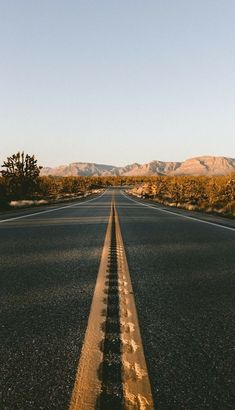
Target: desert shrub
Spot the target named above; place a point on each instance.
(215, 193)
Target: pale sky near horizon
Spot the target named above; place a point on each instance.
(117, 81)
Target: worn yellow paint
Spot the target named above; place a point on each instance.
(135, 379)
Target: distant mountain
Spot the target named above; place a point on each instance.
(205, 165)
(151, 168)
(78, 169)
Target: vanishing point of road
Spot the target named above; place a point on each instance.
(175, 269)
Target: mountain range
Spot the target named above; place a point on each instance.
(204, 165)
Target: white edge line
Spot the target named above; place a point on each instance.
(50, 210)
(180, 215)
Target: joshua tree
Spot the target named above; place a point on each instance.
(21, 174)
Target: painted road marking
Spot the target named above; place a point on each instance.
(112, 372)
(50, 210)
(180, 215)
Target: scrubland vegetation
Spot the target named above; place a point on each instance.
(21, 185)
(45, 190)
(48, 189)
(209, 194)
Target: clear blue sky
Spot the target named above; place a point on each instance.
(117, 81)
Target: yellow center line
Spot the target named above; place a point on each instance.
(112, 367)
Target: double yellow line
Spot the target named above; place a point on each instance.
(92, 383)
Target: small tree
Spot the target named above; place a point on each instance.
(21, 174)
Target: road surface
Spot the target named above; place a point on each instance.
(182, 273)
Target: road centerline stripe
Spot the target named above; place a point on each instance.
(112, 372)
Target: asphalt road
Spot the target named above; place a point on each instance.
(182, 273)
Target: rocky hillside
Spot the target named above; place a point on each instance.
(78, 169)
(205, 165)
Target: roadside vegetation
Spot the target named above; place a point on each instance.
(22, 185)
(215, 194)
